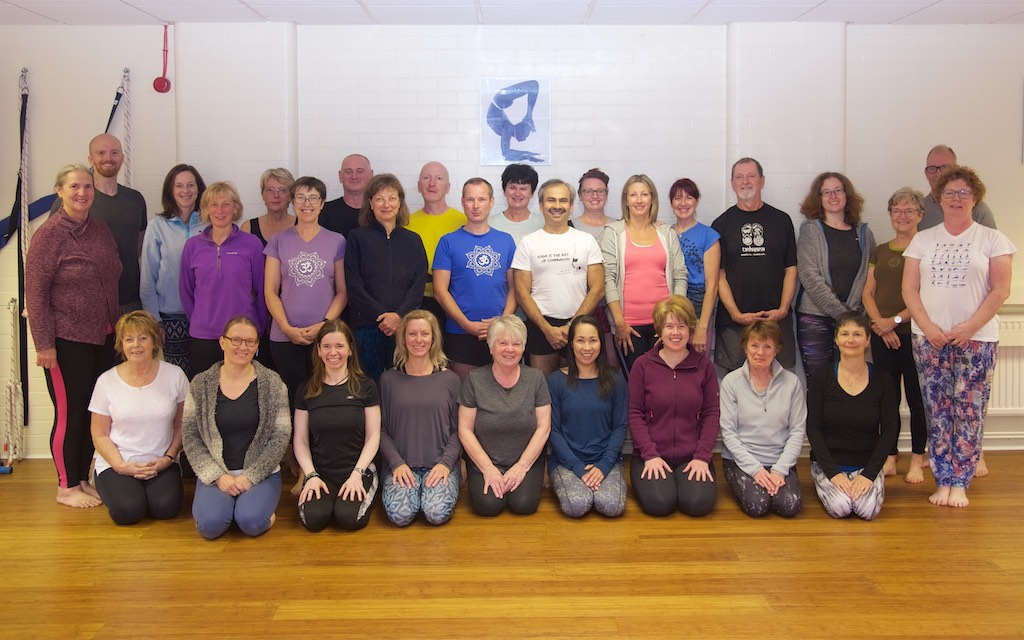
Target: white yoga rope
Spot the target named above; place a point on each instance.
(127, 100)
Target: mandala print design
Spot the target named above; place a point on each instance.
(484, 261)
(306, 268)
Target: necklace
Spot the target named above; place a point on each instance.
(852, 382)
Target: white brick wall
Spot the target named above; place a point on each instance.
(666, 101)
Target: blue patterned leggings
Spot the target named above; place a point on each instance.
(956, 382)
(437, 503)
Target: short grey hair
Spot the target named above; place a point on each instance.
(505, 325)
(908, 195)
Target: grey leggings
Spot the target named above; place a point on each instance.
(577, 499)
(755, 499)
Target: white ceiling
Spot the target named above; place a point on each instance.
(504, 12)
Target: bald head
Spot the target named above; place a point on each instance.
(106, 155)
(433, 185)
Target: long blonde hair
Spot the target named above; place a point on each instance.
(436, 353)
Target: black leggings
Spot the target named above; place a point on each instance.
(660, 497)
(70, 382)
(129, 499)
(350, 515)
(523, 501)
(899, 363)
(641, 345)
(293, 365)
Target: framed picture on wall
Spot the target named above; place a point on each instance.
(515, 121)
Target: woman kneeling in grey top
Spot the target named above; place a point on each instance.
(419, 439)
(764, 421)
(504, 421)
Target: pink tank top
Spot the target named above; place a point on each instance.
(644, 283)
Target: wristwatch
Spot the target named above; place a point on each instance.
(897, 319)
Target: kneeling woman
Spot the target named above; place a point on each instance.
(337, 434)
(764, 421)
(852, 423)
(420, 413)
(504, 422)
(588, 426)
(235, 432)
(136, 425)
(673, 418)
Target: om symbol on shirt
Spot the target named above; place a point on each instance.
(484, 261)
(306, 268)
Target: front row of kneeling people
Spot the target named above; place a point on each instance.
(233, 424)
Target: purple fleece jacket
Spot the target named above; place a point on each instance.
(218, 283)
(673, 412)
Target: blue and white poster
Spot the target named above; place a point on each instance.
(515, 121)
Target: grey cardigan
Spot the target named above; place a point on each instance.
(613, 247)
(201, 438)
(817, 296)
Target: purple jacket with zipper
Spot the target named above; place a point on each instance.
(673, 411)
(218, 283)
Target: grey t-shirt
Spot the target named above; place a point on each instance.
(505, 418)
(419, 419)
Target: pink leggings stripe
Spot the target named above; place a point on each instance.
(60, 425)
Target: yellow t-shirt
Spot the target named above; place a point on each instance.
(431, 228)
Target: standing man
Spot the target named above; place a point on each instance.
(123, 210)
(473, 279)
(342, 215)
(940, 158)
(758, 276)
(434, 220)
(559, 274)
(518, 181)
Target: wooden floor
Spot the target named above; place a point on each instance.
(917, 571)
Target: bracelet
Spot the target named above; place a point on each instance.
(325, 320)
(361, 471)
(309, 476)
(169, 457)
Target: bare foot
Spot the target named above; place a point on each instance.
(982, 469)
(958, 497)
(889, 468)
(915, 474)
(75, 497)
(940, 497)
(273, 519)
(86, 487)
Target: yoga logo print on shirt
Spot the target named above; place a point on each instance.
(950, 265)
(752, 235)
(484, 261)
(306, 268)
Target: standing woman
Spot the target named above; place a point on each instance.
(71, 277)
(702, 253)
(764, 421)
(161, 260)
(385, 271)
(852, 421)
(588, 426)
(643, 265)
(673, 418)
(235, 431)
(504, 423)
(221, 275)
(832, 261)
(276, 190)
(420, 414)
(593, 194)
(955, 328)
(305, 284)
(337, 435)
(136, 426)
(890, 323)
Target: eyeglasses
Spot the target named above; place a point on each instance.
(908, 213)
(594, 192)
(237, 342)
(934, 168)
(838, 191)
(314, 199)
(961, 194)
(277, 191)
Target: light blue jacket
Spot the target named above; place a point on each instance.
(161, 263)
